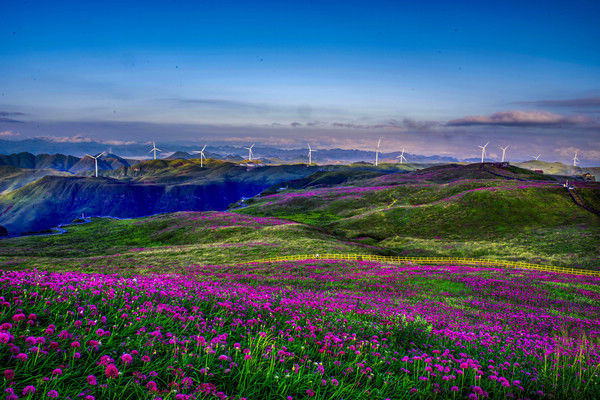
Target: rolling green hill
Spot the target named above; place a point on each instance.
(147, 188)
(556, 168)
(171, 240)
(452, 211)
(13, 178)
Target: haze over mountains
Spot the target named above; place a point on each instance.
(78, 147)
(140, 151)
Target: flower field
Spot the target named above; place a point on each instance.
(297, 330)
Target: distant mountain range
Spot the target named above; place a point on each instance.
(61, 162)
(133, 152)
(222, 151)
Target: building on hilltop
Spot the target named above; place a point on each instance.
(588, 177)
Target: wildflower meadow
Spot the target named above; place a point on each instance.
(316, 329)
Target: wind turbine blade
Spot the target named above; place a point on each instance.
(203, 148)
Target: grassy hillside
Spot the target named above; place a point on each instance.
(145, 189)
(557, 168)
(170, 240)
(453, 210)
(169, 171)
(13, 178)
(415, 214)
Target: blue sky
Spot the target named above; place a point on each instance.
(339, 73)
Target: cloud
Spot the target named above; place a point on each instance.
(68, 139)
(351, 125)
(419, 125)
(8, 133)
(7, 117)
(302, 112)
(86, 139)
(405, 124)
(585, 102)
(521, 118)
(223, 104)
(10, 114)
(117, 142)
(295, 124)
(456, 141)
(569, 152)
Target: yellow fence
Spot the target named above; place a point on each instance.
(431, 260)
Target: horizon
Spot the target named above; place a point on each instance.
(80, 147)
(436, 79)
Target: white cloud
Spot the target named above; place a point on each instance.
(117, 142)
(69, 139)
(569, 152)
(521, 118)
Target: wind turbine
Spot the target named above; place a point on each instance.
(377, 152)
(483, 151)
(249, 152)
(202, 157)
(401, 157)
(503, 151)
(575, 159)
(309, 155)
(154, 149)
(95, 161)
(536, 157)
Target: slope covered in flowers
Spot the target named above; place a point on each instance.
(295, 330)
(443, 211)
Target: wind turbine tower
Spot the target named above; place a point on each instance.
(309, 155)
(377, 152)
(154, 149)
(95, 161)
(483, 151)
(202, 157)
(250, 152)
(401, 157)
(503, 151)
(575, 159)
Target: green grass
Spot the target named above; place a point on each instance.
(168, 241)
(569, 246)
(535, 224)
(410, 214)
